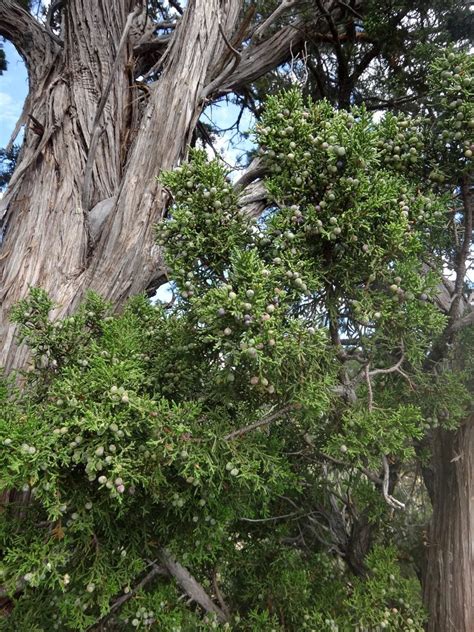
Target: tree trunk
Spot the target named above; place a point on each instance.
(80, 155)
(449, 581)
(81, 206)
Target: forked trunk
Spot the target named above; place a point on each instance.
(81, 207)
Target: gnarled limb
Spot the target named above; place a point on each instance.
(35, 44)
(260, 58)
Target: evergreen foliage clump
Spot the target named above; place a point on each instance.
(250, 427)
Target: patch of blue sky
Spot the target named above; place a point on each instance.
(13, 91)
(236, 140)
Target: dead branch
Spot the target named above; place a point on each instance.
(226, 72)
(267, 419)
(220, 597)
(370, 394)
(118, 603)
(262, 57)
(190, 585)
(271, 19)
(393, 502)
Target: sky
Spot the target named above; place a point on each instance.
(14, 88)
(13, 91)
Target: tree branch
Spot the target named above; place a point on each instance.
(393, 502)
(190, 585)
(461, 263)
(267, 419)
(56, 5)
(254, 171)
(118, 603)
(466, 321)
(219, 595)
(227, 71)
(262, 28)
(262, 57)
(35, 44)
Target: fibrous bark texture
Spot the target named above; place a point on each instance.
(81, 207)
(449, 583)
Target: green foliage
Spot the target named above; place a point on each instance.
(452, 84)
(245, 426)
(3, 61)
(7, 160)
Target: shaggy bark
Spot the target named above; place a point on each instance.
(449, 477)
(81, 206)
(449, 582)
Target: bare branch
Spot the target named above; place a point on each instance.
(370, 404)
(392, 369)
(265, 56)
(254, 171)
(393, 502)
(118, 603)
(370, 475)
(351, 9)
(267, 419)
(219, 595)
(176, 6)
(153, 44)
(190, 585)
(227, 71)
(56, 5)
(466, 321)
(272, 518)
(262, 28)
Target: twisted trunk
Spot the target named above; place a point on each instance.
(81, 206)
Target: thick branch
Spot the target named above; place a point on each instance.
(254, 171)
(34, 43)
(261, 57)
(265, 56)
(466, 321)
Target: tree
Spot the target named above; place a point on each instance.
(98, 138)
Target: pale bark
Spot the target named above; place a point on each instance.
(81, 207)
(190, 585)
(67, 242)
(449, 582)
(46, 239)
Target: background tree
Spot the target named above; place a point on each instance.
(107, 119)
